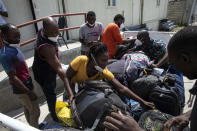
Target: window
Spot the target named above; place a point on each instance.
(111, 3)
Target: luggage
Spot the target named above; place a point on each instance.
(124, 71)
(161, 90)
(166, 96)
(93, 102)
(143, 86)
(138, 58)
(153, 120)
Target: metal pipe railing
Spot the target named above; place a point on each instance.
(14, 125)
(41, 19)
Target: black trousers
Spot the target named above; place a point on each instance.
(48, 85)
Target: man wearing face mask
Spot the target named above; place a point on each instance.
(46, 63)
(90, 32)
(112, 37)
(13, 62)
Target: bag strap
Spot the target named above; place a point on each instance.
(75, 114)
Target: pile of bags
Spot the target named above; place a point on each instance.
(97, 98)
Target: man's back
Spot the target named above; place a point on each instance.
(111, 37)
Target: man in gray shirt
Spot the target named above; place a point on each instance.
(90, 32)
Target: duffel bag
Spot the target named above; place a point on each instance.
(153, 120)
(92, 103)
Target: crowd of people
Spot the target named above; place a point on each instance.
(98, 46)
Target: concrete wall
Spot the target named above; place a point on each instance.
(154, 10)
(103, 12)
(176, 11)
(19, 12)
(131, 9)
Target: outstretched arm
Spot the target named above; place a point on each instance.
(124, 90)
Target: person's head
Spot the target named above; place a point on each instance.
(119, 19)
(144, 37)
(10, 33)
(100, 53)
(182, 51)
(91, 18)
(50, 28)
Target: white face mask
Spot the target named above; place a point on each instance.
(122, 26)
(54, 39)
(98, 68)
(91, 24)
(138, 42)
(14, 45)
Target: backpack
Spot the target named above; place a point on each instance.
(93, 102)
(160, 89)
(124, 71)
(153, 120)
(143, 86)
(166, 96)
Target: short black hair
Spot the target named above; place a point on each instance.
(143, 34)
(119, 16)
(91, 13)
(184, 39)
(5, 28)
(97, 49)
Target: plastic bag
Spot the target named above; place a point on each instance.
(64, 113)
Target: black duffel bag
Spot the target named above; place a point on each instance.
(166, 98)
(93, 102)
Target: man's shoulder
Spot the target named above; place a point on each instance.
(82, 58)
(99, 23)
(112, 25)
(83, 25)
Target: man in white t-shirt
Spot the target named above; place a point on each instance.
(3, 13)
(90, 32)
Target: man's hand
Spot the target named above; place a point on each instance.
(32, 96)
(120, 122)
(149, 104)
(181, 121)
(71, 99)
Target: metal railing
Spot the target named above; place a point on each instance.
(14, 125)
(41, 19)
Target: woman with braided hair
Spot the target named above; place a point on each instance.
(93, 67)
